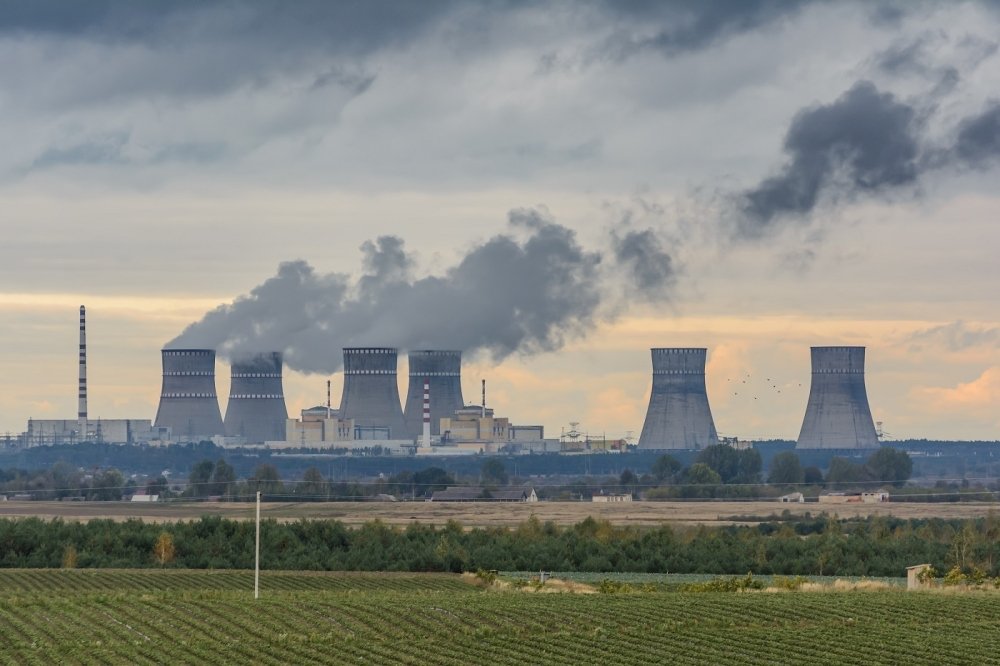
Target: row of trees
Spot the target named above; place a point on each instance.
(813, 546)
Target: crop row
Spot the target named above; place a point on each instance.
(499, 628)
(71, 581)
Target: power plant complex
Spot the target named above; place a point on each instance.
(434, 418)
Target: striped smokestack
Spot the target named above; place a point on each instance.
(427, 411)
(81, 411)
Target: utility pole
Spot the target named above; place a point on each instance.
(256, 563)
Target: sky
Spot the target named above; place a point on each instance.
(553, 187)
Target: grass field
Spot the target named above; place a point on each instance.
(154, 617)
(482, 514)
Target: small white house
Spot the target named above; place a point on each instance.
(145, 498)
(627, 497)
(793, 497)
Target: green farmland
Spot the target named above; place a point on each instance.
(205, 617)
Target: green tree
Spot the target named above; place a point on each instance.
(701, 474)
(266, 480)
(785, 469)
(433, 478)
(223, 478)
(731, 465)
(812, 475)
(200, 478)
(313, 485)
(723, 459)
(843, 472)
(107, 485)
(157, 486)
(665, 468)
(890, 465)
(493, 472)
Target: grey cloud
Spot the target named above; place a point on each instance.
(99, 150)
(681, 27)
(957, 336)
(525, 291)
(978, 141)
(904, 58)
(865, 141)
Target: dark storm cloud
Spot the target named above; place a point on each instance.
(978, 140)
(864, 142)
(527, 291)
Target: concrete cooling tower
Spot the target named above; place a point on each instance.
(678, 416)
(188, 404)
(838, 415)
(371, 395)
(256, 408)
(443, 371)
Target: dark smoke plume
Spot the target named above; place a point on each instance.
(527, 291)
(865, 141)
(648, 266)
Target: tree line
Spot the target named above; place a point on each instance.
(879, 546)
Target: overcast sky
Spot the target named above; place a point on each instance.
(555, 187)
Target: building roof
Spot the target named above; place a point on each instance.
(469, 494)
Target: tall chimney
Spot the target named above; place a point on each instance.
(427, 411)
(81, 412)
(678, 416)
(837, 414)
(484, 398)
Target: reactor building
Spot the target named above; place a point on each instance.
(442, 371)
(188, 402)
(678, 416)
(371, 395)
(837, 414)
(256, 409)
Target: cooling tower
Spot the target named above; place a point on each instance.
(256, 409)
(443, 371)
(838, 415)
(371, 395)
(678, 416)
(188, 404)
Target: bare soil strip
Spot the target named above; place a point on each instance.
(485, 514)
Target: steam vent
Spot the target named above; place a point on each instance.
(371, 395)
(678, 416)
(188, 403)
(838, 415)
(256, 408)
(443, 371)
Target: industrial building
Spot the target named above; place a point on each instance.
(256, 410)
(371, 396)
(678, 416)
(189, 405)
(442, 370)
(52, 432)
(837, 414)
(319, 427)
